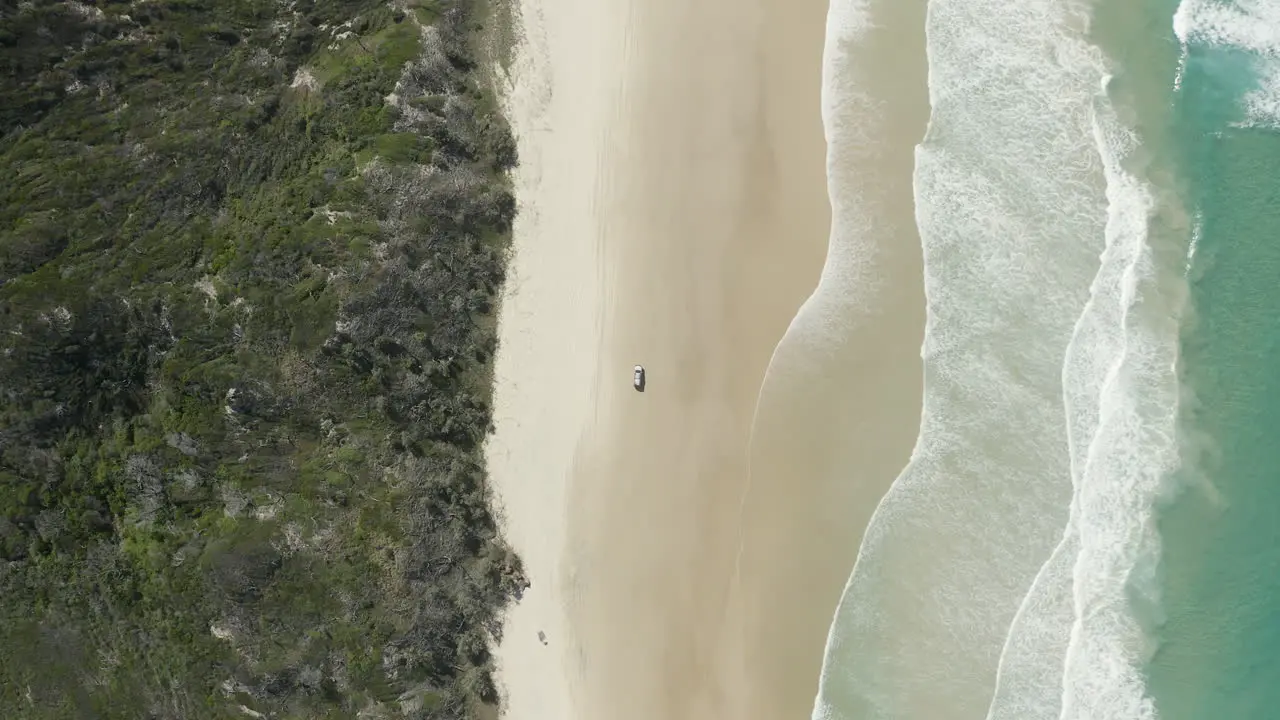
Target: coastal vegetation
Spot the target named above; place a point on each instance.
(249, 258)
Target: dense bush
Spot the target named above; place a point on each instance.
(249, 254)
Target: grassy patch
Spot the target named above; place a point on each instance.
(376, 42)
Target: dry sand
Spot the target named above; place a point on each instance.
(673, 213)
(548, 328)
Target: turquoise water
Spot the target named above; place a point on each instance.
(1219, 655)
(1089, 527)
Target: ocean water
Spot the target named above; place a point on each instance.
(1219, 644)
(1089, 526)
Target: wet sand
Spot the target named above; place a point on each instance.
(714, 225)
(840, 409)
(675, 214)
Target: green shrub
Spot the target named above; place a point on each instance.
(243, 337)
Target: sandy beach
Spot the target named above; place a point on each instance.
(839, 411)
(674, 213)
(548, 331)
(713, 233)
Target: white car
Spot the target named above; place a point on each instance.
(637, 378)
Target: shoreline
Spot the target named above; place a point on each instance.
(673, 190)
(839, 412)
(713, 210)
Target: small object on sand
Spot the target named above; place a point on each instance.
(543, 637)
(637, 378)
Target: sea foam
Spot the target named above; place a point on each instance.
(1134, 452)
(1011, 212)
(1250, 26)
(1122, 395)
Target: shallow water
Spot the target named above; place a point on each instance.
(1088, 527)
(839, 408)
(1011, 211)
(1221, 592)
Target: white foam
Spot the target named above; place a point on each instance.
(1130, 458)
(1252, 26)
(1262, 105)
(1010, 209)
(1122, 392)
(1028, 684)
